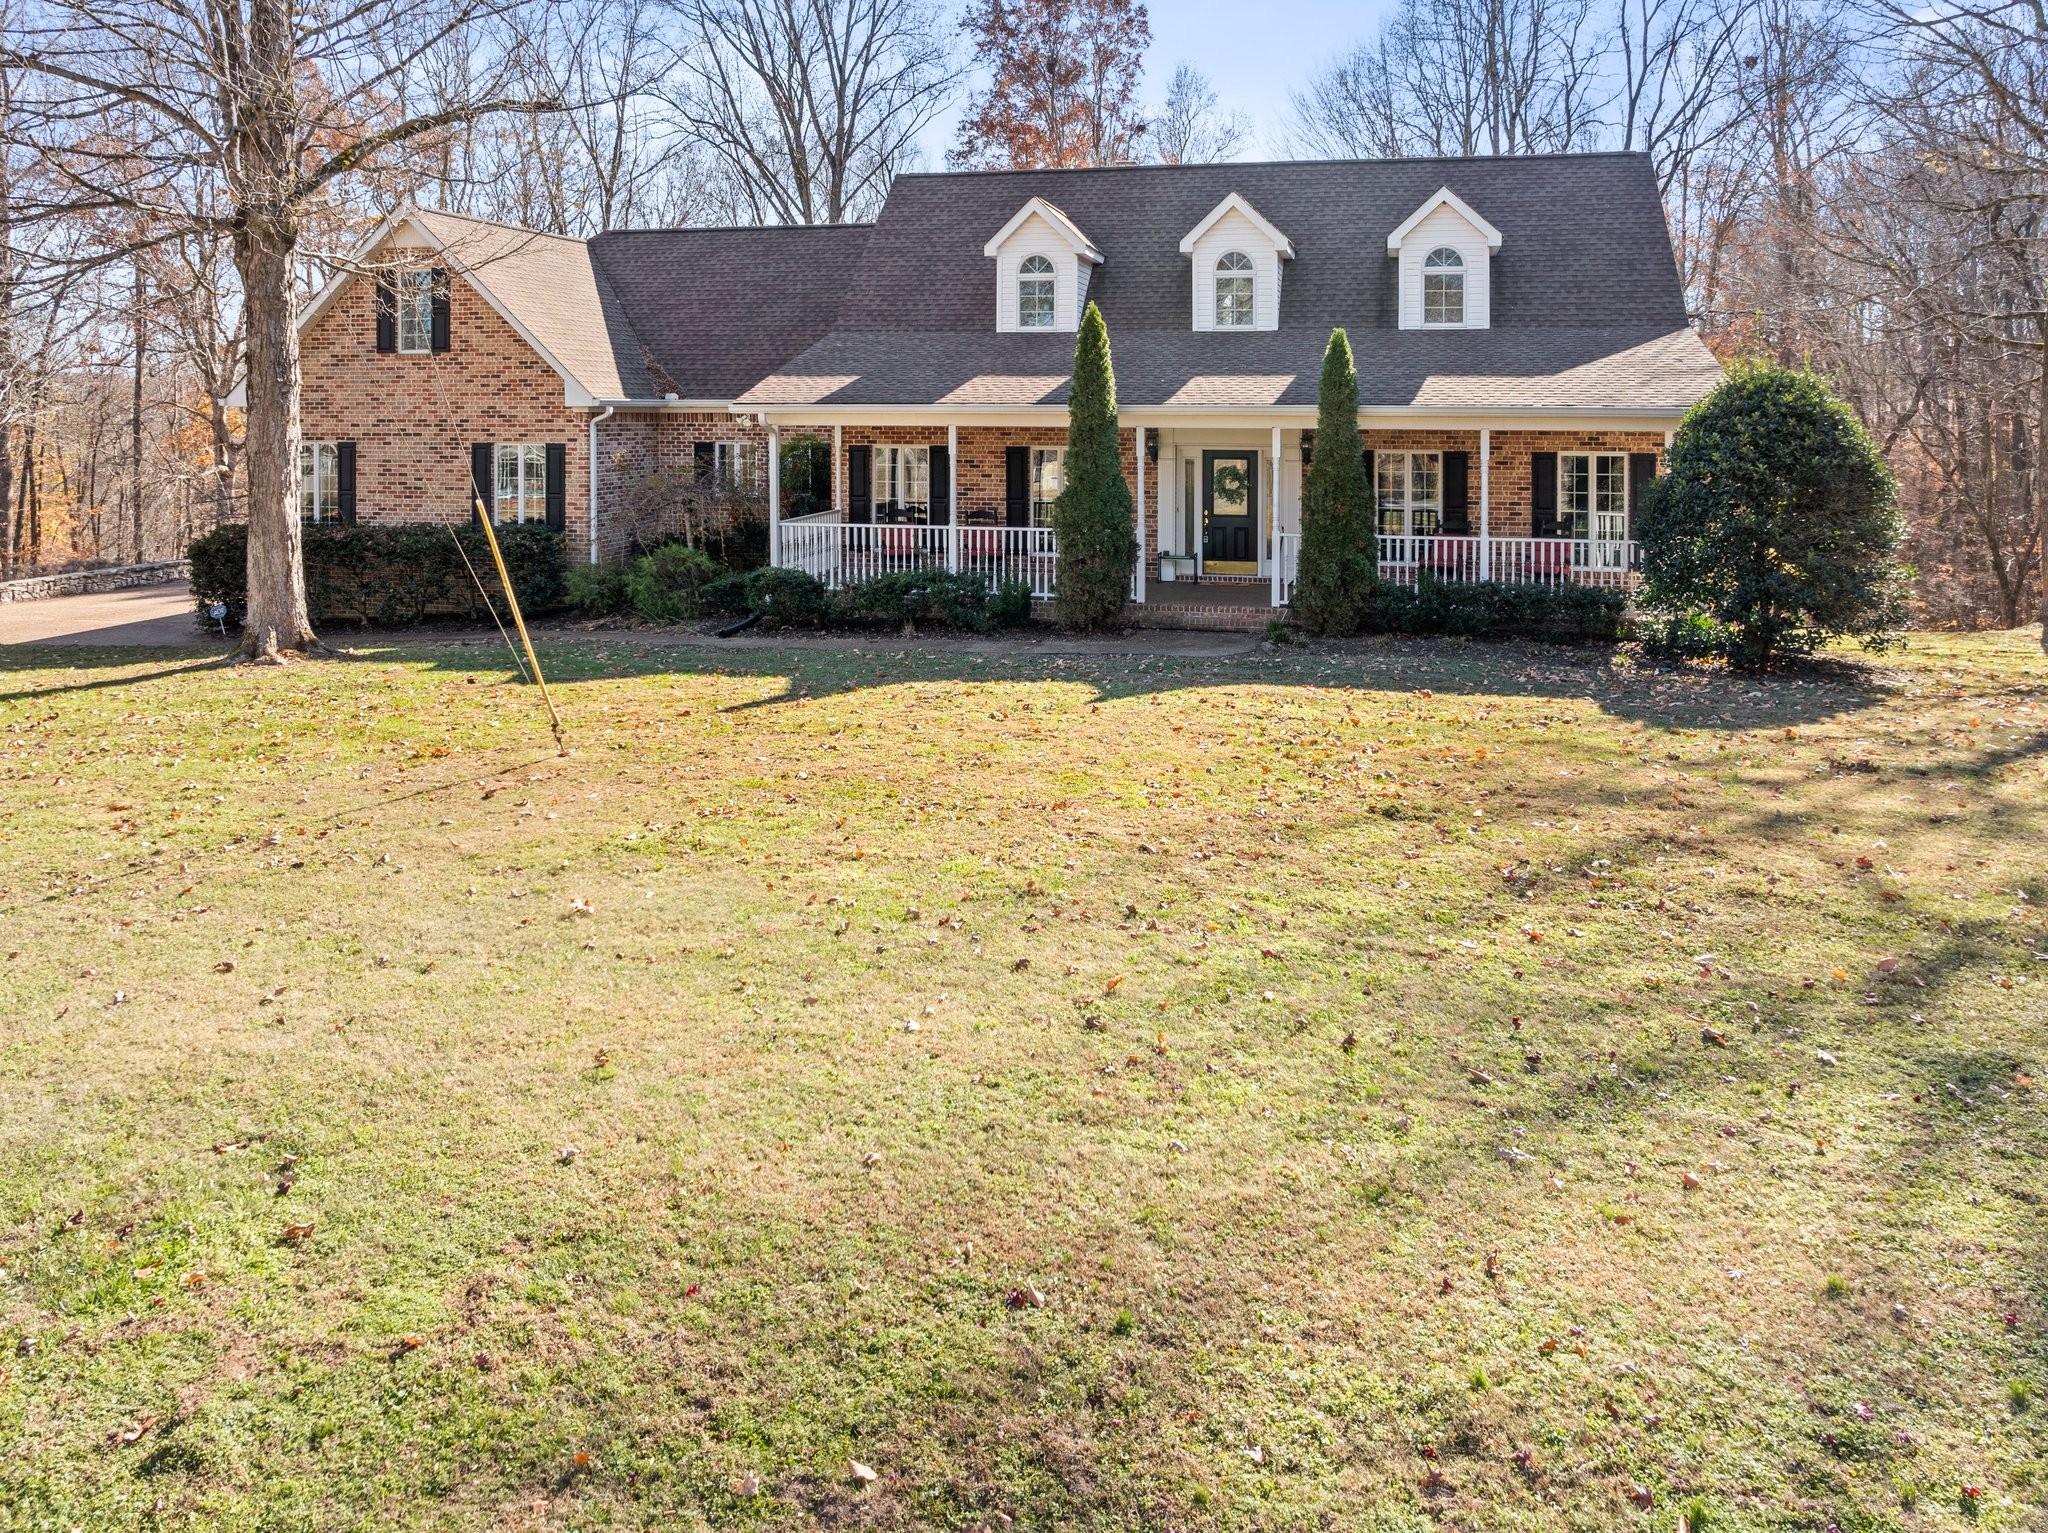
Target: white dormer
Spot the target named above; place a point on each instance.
(1446, 271)
(1043, 262)
(1236, 256)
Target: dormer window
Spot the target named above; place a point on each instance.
(1443, 287)
(1234, 288)
(1035, 301)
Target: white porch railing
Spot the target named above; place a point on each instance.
(841, 554)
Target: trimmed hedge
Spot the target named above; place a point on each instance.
(1493, 610)
(787, 598)
(941, 598)
(667, 585)
(389, 576)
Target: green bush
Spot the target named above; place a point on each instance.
(789, 598)
(1010, 607)
(1093, 517)
(599, 590)
(931, 596)
(1339, 560)
(1778, 521)
(1492, 609)
(665, 585)
(726, 596)
(390, 576)
(1688, 636)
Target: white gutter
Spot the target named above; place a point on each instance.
(595, 421)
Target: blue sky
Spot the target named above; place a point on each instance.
(1254, 54)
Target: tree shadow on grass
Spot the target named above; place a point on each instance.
(14, 662)
(812, 672)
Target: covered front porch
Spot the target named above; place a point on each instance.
(1219, 504)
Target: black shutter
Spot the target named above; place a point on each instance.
(1642, 469)
(860, 494)
(1371, 476)
(706, 461)
(1017, 486)
(557, 486)
(1543, 494)
(345, 483)
(1457, 518)
(387, 316)
(483, 460)
(942, 487)
(441, 304)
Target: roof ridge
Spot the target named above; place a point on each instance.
(1396, 159)
(415, 210)
(733, 229)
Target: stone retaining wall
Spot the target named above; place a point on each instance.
(118, 577)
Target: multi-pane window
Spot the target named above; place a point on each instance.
(414, 290)
(1035, 293)
(1443, 287)
(522, 483)
(902, 478)
(1047, 466)
(1592, 496)
(1234, 291)
(738, 466)
(319, 482)
(1409, 488)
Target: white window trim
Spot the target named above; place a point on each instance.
(1049, 279)
(530, 482)
(311, 502)
(1592, 531)
(1439, 273)
(1248, 274)
(1410, 501)
(738, 466)
(413, 288)
(1041, 508)
(892, 472)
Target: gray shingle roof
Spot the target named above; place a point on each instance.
(716, 310)
(1586, 306)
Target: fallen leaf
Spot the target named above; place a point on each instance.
(297, 1232)
(861, 1472)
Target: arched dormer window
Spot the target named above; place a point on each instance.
(1035, 294)
(1443, 287)
(1234, 291)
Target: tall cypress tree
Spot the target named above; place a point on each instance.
(1339, 543)
(1093, 518)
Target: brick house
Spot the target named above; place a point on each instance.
(897, 391)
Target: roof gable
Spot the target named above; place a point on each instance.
(1063, 226)
(1445, 198)
(1236, 204)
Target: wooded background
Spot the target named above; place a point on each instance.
(1854, 187)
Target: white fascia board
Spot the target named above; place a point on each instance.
(1445, 198)
(1067, 229)
(1384, 417)
(1236, 204)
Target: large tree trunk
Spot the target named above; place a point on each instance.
(2041, 482)
(278, 622)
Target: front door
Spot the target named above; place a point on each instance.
(1230, 513)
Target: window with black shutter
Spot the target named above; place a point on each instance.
(860, 492)
(483, 475)
(942, 487)
(345, 483)
(1017, 486)
(705, 462)
(387, 315)
(1457, 512)
(441, 310)
(556, 494)
(1543, 494)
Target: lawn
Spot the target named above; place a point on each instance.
(1422, 1085)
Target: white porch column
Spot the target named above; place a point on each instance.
(1273, 519)
(775, 495)
(839, 472)
(1139, 519)
(1485, 503)
(953, 498)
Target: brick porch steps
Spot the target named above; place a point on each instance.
(1209, 616)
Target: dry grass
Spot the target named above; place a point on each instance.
(1323, 1038)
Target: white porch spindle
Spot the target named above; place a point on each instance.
(1485, 503)
(953, 498)
(1273, 519)
(775, 495)
(839, 472)
(1138, 521)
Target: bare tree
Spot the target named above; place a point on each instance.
(244, 113)
(1062, 84)
(1191, 128)
(808, 108)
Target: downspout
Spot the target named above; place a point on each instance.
(595, 421)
